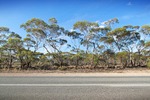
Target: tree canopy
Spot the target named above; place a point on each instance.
(89, 45)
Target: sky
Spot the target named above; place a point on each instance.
(13, 13)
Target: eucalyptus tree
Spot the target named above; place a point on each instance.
(37, 32)
(89, 32)
(145, 29)
(56, 40)
(122, 59)
(86, 28)
(4, 32)
(143, 52)
(126, 38)
(13, 48)
(28, 43)
(47, 35)
(108, 41)
(147, 46)
(146, 32)
(27, 53)
(103, 43)
(75, 39)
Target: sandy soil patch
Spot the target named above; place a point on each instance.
(125, 72)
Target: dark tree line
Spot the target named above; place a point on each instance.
(88, 45)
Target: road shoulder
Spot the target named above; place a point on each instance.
(126, 72)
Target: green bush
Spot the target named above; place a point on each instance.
(62, 68)
(148, 63)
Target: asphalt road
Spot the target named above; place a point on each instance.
(75, 88)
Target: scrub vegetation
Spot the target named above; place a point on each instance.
(89, 45)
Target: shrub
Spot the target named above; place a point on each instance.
(148, 63)
(62, 68)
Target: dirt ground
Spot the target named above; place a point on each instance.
(123, 72)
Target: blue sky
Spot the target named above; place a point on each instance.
(15, 12)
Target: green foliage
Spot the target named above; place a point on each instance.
(88, 44)
(117, 31)
(146, 29)
(53, 21)
(147, 44)
(108, 40)
(122, 54)
(148, 63)
(62, 68)
(4, 29)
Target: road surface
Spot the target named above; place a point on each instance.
(74, 87)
